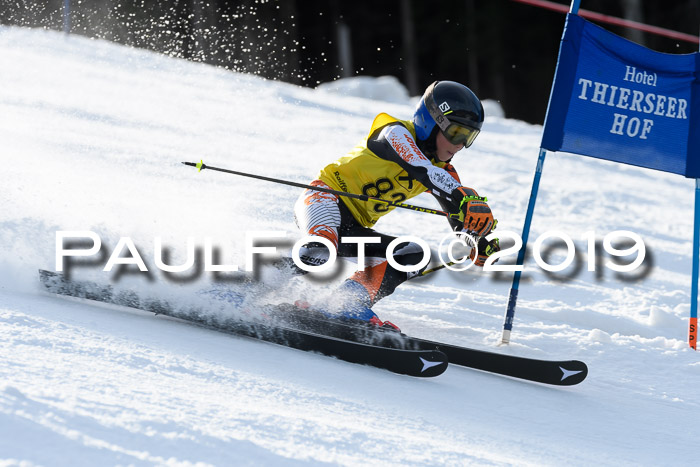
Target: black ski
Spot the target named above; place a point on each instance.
(412, 362)
(555, 372)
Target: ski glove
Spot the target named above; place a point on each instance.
(486, 248)
(474, 213)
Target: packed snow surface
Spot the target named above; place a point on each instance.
(92, 139)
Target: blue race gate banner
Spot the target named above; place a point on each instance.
(616, 100)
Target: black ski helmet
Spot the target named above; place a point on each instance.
(454, 108)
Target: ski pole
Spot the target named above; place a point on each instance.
(201, 166)
(470, 240)
(437, 268)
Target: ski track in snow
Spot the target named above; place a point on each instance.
(93, 136)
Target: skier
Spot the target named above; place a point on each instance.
(398, 160)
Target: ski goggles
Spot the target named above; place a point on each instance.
(458, 134)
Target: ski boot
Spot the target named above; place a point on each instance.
(354, 307)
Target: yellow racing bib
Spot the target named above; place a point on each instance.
(361, 171)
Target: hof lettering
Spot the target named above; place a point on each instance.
(633, 100)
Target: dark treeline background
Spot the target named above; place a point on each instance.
(502, 49)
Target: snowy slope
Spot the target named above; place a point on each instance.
(92, 139)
